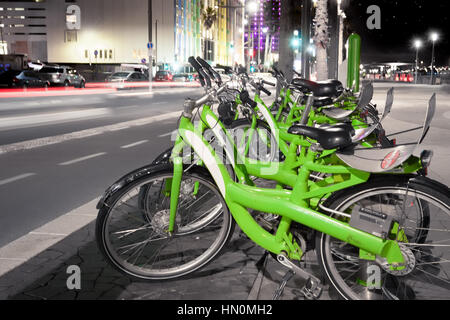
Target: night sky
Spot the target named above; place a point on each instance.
(402, 21)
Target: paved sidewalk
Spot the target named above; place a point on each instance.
(233, 276)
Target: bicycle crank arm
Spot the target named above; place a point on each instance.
(313, 288)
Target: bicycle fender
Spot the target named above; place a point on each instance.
(142, 172)
(163, 157)
(425, 181)
(130, 177)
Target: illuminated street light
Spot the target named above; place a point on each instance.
(417, 45)
(433, 37)
(252, 7)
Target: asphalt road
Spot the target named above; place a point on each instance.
(37, 185)
(23, 119)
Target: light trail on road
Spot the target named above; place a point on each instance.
(91, 88)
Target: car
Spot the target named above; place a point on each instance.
(62, 76)
(183, 77)
(163, 76)
(127, 76)
(30, 79)
(7, 77)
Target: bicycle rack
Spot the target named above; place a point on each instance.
(365, 132)
(378, 160)
(364, 99)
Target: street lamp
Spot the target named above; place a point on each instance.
(433, 37)
(417, 45)
(252, 8)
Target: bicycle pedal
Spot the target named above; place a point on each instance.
(313, 288)
(282, 285)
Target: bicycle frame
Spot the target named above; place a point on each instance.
(291, 205)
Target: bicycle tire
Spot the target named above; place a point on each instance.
(223, 225)
(425, 280)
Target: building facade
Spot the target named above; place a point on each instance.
(100, 31)
(262, 30)
(23, 28)
(221, 43)
(105, 32)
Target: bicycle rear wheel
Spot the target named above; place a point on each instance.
(261, 145)
(132, 232)
(423, 212)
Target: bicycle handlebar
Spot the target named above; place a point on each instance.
(202, 74)
(213, 73)
(269, 83)
(267, 92)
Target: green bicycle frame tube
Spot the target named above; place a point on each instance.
(239, 197)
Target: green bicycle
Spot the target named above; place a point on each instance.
(372, 211)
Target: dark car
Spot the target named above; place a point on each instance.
(7, 77)
(127, 76)
(63, 76)
(30, 79)
(163, 76)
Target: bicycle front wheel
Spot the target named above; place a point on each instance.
(132, 228)
(423, 213)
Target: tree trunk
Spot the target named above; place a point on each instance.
(286, 56)
(321, 39)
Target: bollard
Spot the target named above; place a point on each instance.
(354, 61)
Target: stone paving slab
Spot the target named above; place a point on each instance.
(230, 277)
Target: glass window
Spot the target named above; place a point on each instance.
(121, 74)
(48, 70)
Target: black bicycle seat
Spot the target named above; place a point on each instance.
(333, 137)
(329, 88)
(322, 102)
(342, 125)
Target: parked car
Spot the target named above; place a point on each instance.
(62, 75)
(183, 77)
(7, 77)
(30, 79)
(127, 76)
(163, 76)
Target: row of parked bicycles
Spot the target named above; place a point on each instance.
(314, 170)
